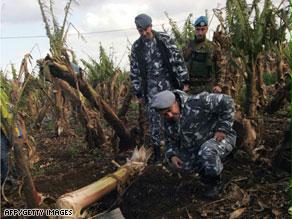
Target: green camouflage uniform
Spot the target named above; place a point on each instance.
(201, 64)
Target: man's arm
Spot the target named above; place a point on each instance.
(221, 105)
(171, 143)
(135, 75)
(177, 62)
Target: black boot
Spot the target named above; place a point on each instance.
(213, 187)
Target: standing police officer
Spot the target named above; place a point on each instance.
(156, 65)
(201, 61)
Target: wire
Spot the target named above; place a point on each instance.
(85, 33)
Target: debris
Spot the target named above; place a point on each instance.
(237, 213)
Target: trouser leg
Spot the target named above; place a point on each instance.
(154, 129)
(211, 154)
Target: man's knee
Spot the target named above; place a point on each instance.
(210, 159)
(215, 148)
(208, 150)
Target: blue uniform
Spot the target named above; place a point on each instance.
(156, 65)
(191, 138)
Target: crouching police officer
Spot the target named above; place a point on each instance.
(198, 133)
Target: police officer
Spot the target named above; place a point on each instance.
(201, 61)
(198, 132)
(156, 65)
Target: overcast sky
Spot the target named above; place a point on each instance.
(22, 19)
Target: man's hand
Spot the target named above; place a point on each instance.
(219, 136)
(217, 89)
(176, 162)
(186, 87)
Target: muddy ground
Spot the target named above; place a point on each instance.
(251, 189)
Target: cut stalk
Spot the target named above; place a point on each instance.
(80, 199)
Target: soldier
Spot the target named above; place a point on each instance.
(156, 65)
(198, 132)
(201, 60)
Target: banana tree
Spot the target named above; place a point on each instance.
(182, 37)
(13, 102)
(64, 72)
(108, 80)
(59, 66)
(57, 35)
(90, 119)
(252, 32)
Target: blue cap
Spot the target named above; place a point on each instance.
(201, 22)
(163, 100)
(143, 21)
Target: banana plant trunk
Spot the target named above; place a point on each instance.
(279, 68)
(126, 103)
(32, 197)
(238, 79)
(94, 133)
(18, 140)
(61, 71)
(62, 110)
(41, 115)
(252, 95)
(33, 111)
(80, 199)
(260, 82)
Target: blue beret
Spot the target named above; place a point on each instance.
(163, 100)
(201, 21)
(143, 21)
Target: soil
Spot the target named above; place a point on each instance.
(254, 189)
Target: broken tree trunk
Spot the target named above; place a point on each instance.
(61, 71)
(62, 111)
(248, 135)
(42, 113)
(82, 198)
(32, 197)
(19, 138)
(95, 135)
(33, 111)
(126, 103)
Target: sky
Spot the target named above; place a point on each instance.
(109, 22)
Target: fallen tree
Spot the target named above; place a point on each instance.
(94, 133)
(63, 71)
(80, 199)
